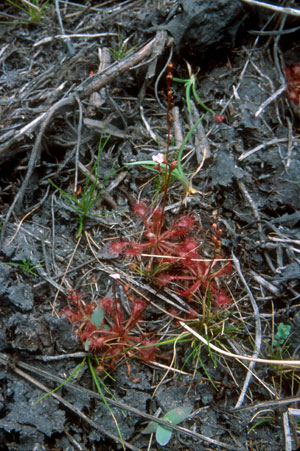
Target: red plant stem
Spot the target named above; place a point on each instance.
(133, 320)
(169, 79)
(115, 306)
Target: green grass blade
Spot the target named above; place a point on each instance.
(96, 380)
(74, 374)
(186, 138)
(188, 86)
(199, 101)
(17, 6)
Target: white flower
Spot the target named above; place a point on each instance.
(159, 158)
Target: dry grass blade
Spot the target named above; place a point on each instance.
(287, 363)
(268, 404)
(258, 338)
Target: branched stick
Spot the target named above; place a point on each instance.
(35, 154)
(97, 81)
(84, 90)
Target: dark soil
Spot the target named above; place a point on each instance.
(52, 90)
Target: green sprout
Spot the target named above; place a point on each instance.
(98, 382)
(264, 420)
(163, 434)
(121, 51)
(190, 86)
(214, 328)
(26, 266)
(90, 192)
(283, 331)
(34, 8)
(68, 379)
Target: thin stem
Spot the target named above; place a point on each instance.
(168, 171)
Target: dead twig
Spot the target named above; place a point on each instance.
(262, 146)
(269, 286)
(201, 142)
(287, 432)
(258, 338)
(35, 155)
(256, 214)
(177, 126)
(97, 81)
(290, 144)
(279, 9)
(267, 404)
(270, 100)
(278, 67)
(72, 36)
(78, 141)
(147, 125)
(61, 25)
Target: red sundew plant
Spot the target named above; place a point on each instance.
(171, 254)
(161, 245)
(199, 274)
(103, 331)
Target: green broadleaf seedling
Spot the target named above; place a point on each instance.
(283, 331)
(163, 434)
(97, 319)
